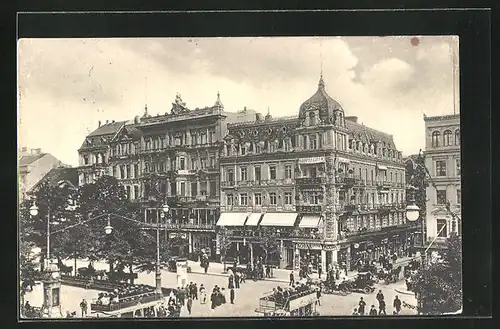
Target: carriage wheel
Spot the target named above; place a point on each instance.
(367, 290)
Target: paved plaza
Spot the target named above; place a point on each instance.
(246, 298)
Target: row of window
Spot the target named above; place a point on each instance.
(285, 144)
(132, 192)
(442, 228)
(245, 199)
(202, 188)
(373, 198)
(441, 168)
(442, 198)
(384, 175)
(257, 173)
(123, 149)
(97, 158)
(193, 138)
(181, 163)
(374, 222)
(125, 171)
(447, 139)
(359, 146)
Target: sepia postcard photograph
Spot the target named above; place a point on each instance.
(239, 177)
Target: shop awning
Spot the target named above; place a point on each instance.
(253, 219)
(380, 167)
(279, 219)
(232, 219)
(309, 221)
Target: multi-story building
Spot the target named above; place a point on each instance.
(442, 159)
(330, 188)
(33, 166)
(172, 158)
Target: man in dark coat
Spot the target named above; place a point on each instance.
(320, 270)
(195, 291)
(381, 307)
(268, 271)
(230, 284)
(213, 299)
(231, 295)
(361, 308)
(397, 305)
(292, 279)
(237, 277)
(380, 295)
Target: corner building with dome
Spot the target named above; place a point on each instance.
(329, 189)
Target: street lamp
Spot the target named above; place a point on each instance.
(412, 212)
(108, 228)
(34, 210)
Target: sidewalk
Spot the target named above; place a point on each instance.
(279, 275)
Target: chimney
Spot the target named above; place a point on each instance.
(99, 124)
(113, 121)
(352, 119)
(24, 149)
(36, 151)
(258, 117)
(244, 109)
(107, 121)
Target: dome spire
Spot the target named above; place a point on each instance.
(218, 101)
(321, 83)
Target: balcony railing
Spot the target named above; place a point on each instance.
(227, 183)
(176, 226)
(310, 180)
(384, 185)
(309, 209)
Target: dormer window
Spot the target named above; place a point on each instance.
(243, 150)
(312, 118)
(86, 159)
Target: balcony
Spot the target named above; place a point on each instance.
(346, 181)
(189, 226)
(310, 209)
(227, 184)
(350, 208)
(310, 181)
(384, 185)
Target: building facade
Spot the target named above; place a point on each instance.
(33, 166)
(329, 189)
(442, 159)
(171, 158)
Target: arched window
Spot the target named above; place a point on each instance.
(457, 137)
(447, 138)
(435, 138)
(312, 118)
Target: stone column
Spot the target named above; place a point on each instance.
(190, 237)
(335, 259)
(323, 260)
(198, 189)
(251, 252)
(238, 250)
(283, 260)
(208, 187)
(169, 188)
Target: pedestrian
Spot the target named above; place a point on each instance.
(361, 308)
(381, 307)
(292, 279)
(380, 296)
(237, 280)
(182, 296)
(397, 305)
(213, 299)
(231, 295)
(268, 271)
(373, 310)
(195, 291)
(83, 306)
(320, 270)
(189, 304)
(318, 295)
(203, 294)
(230, 284)
(187, 292)
(337, 274)
(355, 312)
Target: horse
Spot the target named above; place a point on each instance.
(65, 270)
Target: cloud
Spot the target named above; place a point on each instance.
(67, 85)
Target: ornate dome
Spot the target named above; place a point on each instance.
(320, 101)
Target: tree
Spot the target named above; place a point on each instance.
(439, 285)
(268, 241)
(224, 243)
(52, 202)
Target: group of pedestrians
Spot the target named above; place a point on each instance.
(360, 310)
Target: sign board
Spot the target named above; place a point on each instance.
(312, 160)
(308, 246)
(303, 301)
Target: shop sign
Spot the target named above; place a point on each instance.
(330, 248)
(312, 160)
(308, 246)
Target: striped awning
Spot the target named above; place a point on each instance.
(253, 219)
(309, 221)
(279, 219)
(232, 219)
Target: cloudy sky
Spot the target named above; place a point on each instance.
(67, 85)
